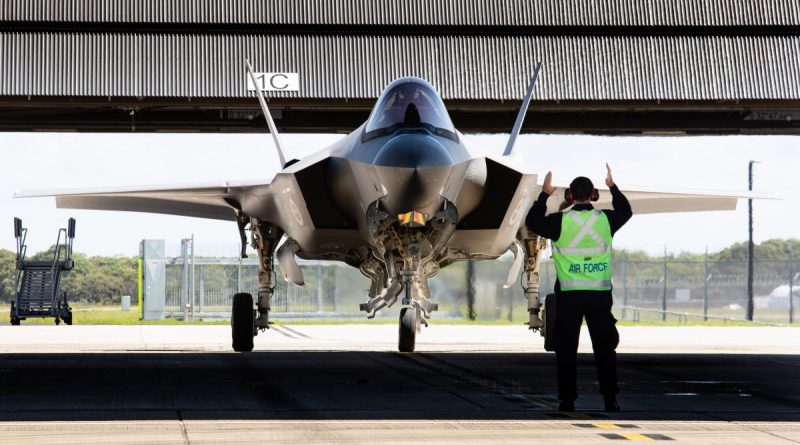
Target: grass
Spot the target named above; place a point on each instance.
(464, 322)
(85, 314)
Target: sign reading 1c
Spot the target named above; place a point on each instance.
(275, 82)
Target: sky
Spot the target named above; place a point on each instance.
(61, 160)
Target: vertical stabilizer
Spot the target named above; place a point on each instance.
(522, 110)
(272, 130)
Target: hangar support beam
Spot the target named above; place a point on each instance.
(751, 117)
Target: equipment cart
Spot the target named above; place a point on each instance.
(37, 282)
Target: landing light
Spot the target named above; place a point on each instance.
(412, 219)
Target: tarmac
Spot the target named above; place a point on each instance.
(346, 384)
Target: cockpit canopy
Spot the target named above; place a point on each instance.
(409, 102)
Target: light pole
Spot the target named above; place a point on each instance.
(749, 315)
(792, 276)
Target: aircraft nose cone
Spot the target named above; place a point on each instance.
(410, 189)
(413, 151)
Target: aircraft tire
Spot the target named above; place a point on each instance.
(242, 323)
(408, 329)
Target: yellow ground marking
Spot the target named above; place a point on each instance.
(605, 426)
(634, 436)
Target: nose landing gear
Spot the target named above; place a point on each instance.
(409, 325)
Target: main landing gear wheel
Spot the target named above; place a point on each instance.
(242, 322)
(409, 324)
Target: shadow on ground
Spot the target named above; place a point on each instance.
(385, 385)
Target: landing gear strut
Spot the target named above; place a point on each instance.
(265, 239)
(532, 247)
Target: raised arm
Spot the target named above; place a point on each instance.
(536, 221)
(622, 208)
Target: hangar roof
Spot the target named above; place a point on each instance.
(413, 12)
(359, 67)
(612, 66)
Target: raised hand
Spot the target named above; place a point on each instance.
(609, 179)
(547, 187)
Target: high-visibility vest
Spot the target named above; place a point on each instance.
(582, 253)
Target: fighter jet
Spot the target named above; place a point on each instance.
(399, 198)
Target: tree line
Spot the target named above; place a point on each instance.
(95, 279)
(104, 279)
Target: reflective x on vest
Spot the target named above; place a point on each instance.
(583, 251)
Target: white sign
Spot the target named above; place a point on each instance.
(275, 82)
(683, 295)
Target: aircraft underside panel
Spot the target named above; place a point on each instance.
(490, 229)
(314, 182)
(207, 207)
(499, 191)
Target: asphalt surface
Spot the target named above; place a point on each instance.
(467, 386)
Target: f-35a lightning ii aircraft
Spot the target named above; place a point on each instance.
(399, 198)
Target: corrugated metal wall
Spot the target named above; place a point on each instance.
(576, 68)
(413, 12)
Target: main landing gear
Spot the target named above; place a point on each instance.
(243, 326)
(246, 320)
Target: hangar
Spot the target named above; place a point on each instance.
(611, 67)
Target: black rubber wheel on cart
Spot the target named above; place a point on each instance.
(242, 323)
(408, 329)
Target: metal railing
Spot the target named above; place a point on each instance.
(21, 235)
(682, 317)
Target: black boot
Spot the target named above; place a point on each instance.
(610, 402)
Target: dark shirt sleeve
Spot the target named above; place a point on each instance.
(546, 226)
(622, 210)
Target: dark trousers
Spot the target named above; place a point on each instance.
(571, 308)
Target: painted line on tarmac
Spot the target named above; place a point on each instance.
(635, 436)
(623, 435)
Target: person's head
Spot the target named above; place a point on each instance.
(581, 189)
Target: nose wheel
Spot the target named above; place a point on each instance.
(243, 323)
(410, 319)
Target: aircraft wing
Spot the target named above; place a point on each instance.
(295, 199)
(665, 200)
(213, 200)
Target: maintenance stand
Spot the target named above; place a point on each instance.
(37, 282)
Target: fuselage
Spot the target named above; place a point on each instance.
(408, 157)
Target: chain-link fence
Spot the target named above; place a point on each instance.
(331, 289)
(666, 290)
(701, 290)
(711, 289)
